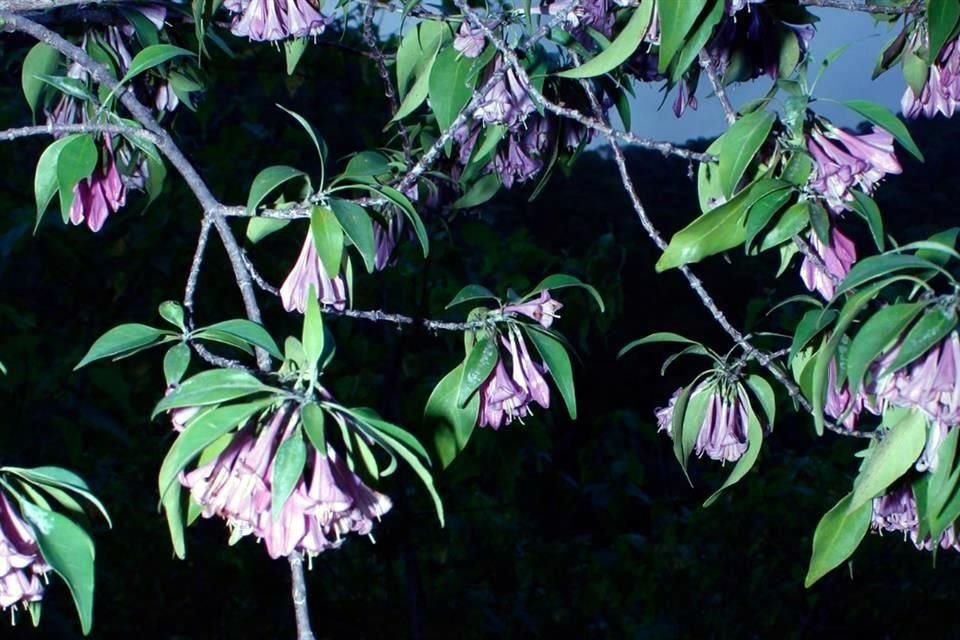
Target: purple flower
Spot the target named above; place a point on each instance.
(21, 564)
(180, 416)
(263, 20)
(897, 511)
(941, 93)
(507, 101)
(542, 309)
(506, 396)
(515, 162)
(837, 257)
(308, 271)
(844, 161)
(385, 238)
(723, 432)
(839, 404)
(470, 42)
(94, 198)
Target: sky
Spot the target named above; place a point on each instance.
(848, 77)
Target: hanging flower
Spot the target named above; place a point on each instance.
(542, 309)
(271, 20)
(94, 198)
(844, 161)
(21, 564)
(897, 511)
(839, 403)
(308, 271)
(723, 433)
(470, 42)
(506, 396)
(837, 257)
(941, 92)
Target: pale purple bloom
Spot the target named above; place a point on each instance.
(723, 433)
(385, 238)
(941, 93)
(269, 20)
(21, 564)
(542, 309)
(94, 198)
(897, 511)
(180, 416)
(507, 102)
(515, 162)
(506, 396)
(844, 161)
(470, 42)
(308, 271)
(839, 403)
(837, 257)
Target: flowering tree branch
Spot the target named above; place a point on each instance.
(853, 5)
(52, 129)
(708, 64)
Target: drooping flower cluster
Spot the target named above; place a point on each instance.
(837, 256)
(845, 161)
(723, 433)
(327, 502)
(507, 395)
(897, 511)
(542, 309)
(21, 565)
(941, 92)
(385, 239)
(271, 20)
(308, 272)
(840, 403)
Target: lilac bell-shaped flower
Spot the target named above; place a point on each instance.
(723, 433)
(897, 511)
(21, 565)
(309, 272)
(470, 42)
(507, 102)
(385, 238)
(844, 160)
(506, 396)
(271, 20)
(94, 198)
(941, 92)
(542, 309)
(837, 257)
(839, 404)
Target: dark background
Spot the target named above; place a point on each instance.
(554, 528)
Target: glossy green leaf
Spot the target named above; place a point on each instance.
(60, 478)
(928, 331)
(268, 180)
(314, 420)
(45, 183)
(76, 161)
(883, 265)
(293, 50)
(122, 340)
(813, 322)
(450, 86)
(68, 549)
(327, 238)
(793, 221)
(318, 142)
(838, 535)
(942, 18)
(877, 334)
(882, 117)
(247, 331)
(555, 356)
(151, 57)
(762, 212)
(472, 292)
(288, 464)
(562, 281)
(259, 228)
(867, 209)
(892, 457)
(622, 47)
(313, 337)
(367, 164)
(41, 60)
(172, 312)
(477, 368)
(211, 387)
(479, 192)
(676, 21)
(740, 145)
(453, 424)
(175, 363)
(763, 391)
(358, 226)
(657, 338)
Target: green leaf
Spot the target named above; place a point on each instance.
(867, 209)
(478, 367)
(561, 281)
(838, 535)
(392, 444)
(932, 327)
(882, 117)
(793, 221)
(696, 40)
(268, 180)
(367, 164)
(122, 340)
(313, 424)
(892, 457)
(472, 292)
(199, 434)
(555, 356)
(358, 226)
(740, 145)
(450, 86)
(419, 90)
(313, 336)
(288, 465)
(717, 230)
(813, 322)
(172, 312)
(69, 551)
(41, 60)
(247, 331)
(942, 17)
(883, 265)
(172, 502)
(293, 50)
(327, 238)
(259, 228)
(404, 203)
(747, 460)
(761, 213)
(417, 47)
(658, 337)
(820, 221)
(622, 47)
(764, 393)
(480, 191)
(45, 183)
(687, 421)
(76, 161)
(318, 142)
(453, 424)
(211, 387)
(153, 56)
(876, 335)
(175, 363)
(61, 479)
(676, 21)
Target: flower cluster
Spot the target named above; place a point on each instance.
(271, 20)
(21, 564)
(723, 433)
(837, 256)
(309, 272)
(237, 486)
(941, 92)
(505, 395)
(897, 511)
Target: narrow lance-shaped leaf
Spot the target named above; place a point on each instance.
(838, 535)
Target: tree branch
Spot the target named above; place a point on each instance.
(52, 129)
(853, 5)
(708, 64)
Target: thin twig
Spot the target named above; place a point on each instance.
(853, 5)
(708, 64)
(388, 89)
(194, 275)
(298, 592)
(816, 260)
(52, 129)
